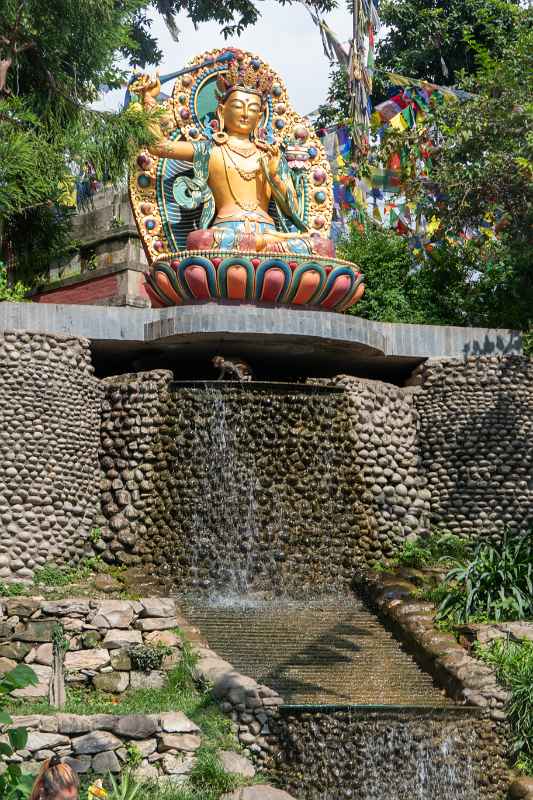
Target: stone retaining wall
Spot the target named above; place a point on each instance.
(476, 443)
(49, 437)
(100, 633)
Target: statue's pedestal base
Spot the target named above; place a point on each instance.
(117, 285)
(285, 279)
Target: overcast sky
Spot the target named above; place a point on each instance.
(285, 36)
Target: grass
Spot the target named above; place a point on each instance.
(513, 662)
(60, 581)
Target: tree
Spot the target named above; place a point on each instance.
(54, 57)
(433, 40)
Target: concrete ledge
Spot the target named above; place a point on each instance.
(326, 341)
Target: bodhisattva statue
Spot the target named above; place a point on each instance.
(225, 209)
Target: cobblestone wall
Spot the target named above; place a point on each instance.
(49, 436)
(329, 754)
(476, 443)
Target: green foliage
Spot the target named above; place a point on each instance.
(435, 549)
(13, 784)
(58, 576)
(437, 40)
(15, 293)
(146, 657)
(12, 589)
(496, 584)
(126, 789)
(513, 662)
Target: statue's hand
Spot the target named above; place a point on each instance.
(148, 87)
(274, 157)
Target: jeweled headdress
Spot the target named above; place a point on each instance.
(248, 75)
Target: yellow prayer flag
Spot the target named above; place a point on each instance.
(399, 122)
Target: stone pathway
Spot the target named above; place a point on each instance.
(331, 651)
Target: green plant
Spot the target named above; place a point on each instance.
(95, 535)
(133, 755)
(127, 789)
(12, 589)
(146, 657)
(13, 784)
(15, 292)
(496, 584)
(436, 548)
(514, 667)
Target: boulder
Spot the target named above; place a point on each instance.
(114, 614)
(136, 726)
(87, 659)
(116, 639)
(521, 789)
(6, 665)
(44, 654)
(157, 624)
(106, 583)
(121, 660)
(177, 765)
(105, 762)
(112, 682)
(39, 630)
(177, 722)
(168, 638)
(73, 723)
(186, 742)
(80, 765)
(66, 608)
(146, 773)
(146, 747)
(22, 606)
(96, 742)
(158, 607)
(41, 741)
(15, 650)
(156, 679)
(236, 764)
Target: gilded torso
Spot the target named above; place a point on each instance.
(238, 184)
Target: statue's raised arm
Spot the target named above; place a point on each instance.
(234, 198)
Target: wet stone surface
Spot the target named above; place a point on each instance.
(316, 651)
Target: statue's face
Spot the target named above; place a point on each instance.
(242, 112)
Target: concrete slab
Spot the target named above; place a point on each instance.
(315, 341)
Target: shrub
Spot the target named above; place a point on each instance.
(146, 657)
(496, 584)
(12, 589)
(439, 547)
(13, 784)
(514, 666)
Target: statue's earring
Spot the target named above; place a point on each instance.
(220, 136)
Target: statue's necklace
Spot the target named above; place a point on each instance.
(241, 151)
(246, 205)
(246, 174)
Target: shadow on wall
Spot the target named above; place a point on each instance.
(489, 347)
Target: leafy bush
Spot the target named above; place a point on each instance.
(439, 547)
(12, 589)
(13, 784)
(55, 575)
(514, 666)
(146, 657)
(496, 584)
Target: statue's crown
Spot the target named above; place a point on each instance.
(247, 74)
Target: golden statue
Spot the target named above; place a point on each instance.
(217, 183)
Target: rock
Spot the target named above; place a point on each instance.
(80, 765)
(158, 607)
(41, 741)
(112, 682)
(90, 639)
(105, 762)
(36, 631)
(22, 606)
(156, 679)
(114, 614)
(157, 624)
(136, 726)
(146, 773)
(177, 722)
(177, 765)
(87, 659)
(41, 689)
(96, 742)
(236, 764)
(186, 742)
(260, 792)
(106, 583)
(168, 638)
(117, 639)
(6, 665)
(121, 660)
(73, 723)
(146, 747)
(66, 608)
(521, 789)
(15, 650)
(44, 654)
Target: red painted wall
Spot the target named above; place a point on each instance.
(86, 293)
